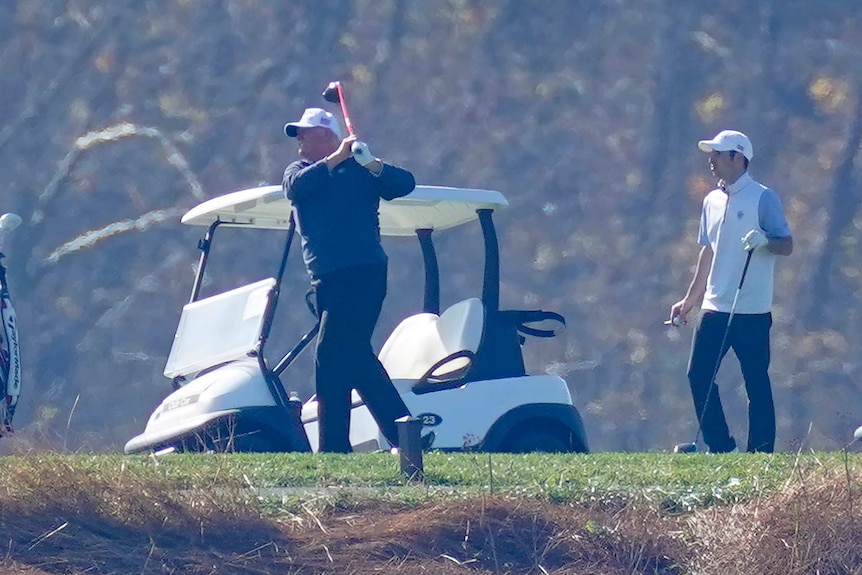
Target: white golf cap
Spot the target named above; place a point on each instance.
(728, 140)
(312, 118)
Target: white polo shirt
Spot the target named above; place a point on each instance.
(726, 217)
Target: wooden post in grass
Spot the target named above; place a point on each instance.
(410, 447)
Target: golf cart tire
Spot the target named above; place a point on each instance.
(547, 427)
(548, 439)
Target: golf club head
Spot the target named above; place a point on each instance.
(685, 448)
(331, 93)
(9, 222)
(857, 435)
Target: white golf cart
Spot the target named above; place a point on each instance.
(460, 371)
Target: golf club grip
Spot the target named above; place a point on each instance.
(344, 111)
(745, 269)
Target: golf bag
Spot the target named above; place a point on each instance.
(10, 359)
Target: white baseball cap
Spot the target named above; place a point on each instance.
(311, 118)
(728, 140)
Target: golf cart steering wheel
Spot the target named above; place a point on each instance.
(430, 382)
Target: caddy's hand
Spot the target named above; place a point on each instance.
(678, 313)
(753, 240)
(361, 153)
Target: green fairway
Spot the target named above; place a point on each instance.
(677, 481)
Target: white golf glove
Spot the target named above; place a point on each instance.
(361, 153)
(753, 240)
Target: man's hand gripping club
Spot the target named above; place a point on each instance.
(754, 240)
(358, 150)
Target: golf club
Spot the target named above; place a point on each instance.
(335, 93)
(692, 447)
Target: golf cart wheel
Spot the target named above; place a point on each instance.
(539, 439)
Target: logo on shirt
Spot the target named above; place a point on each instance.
(739, 215)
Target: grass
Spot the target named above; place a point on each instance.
(298, 513)
(691, 481)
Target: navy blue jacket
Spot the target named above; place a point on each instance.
(337, 213)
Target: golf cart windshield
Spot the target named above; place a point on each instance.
(220, 328)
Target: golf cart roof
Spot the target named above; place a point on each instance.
(426, 207)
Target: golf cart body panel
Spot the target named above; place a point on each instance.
(461, 417)
(461, 371)
(226, 390)
(155, 436)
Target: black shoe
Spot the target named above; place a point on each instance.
(731, 448)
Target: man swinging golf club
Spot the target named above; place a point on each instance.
(336, 189)
(742, 230)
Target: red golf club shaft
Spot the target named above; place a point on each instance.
(344, 110)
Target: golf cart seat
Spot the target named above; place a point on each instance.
(435, 352)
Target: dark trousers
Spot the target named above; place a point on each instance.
(749, 338)
(349, 302)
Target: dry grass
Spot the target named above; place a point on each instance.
(813, 525)
(67, 521)
(62, 520)
(491, 536)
